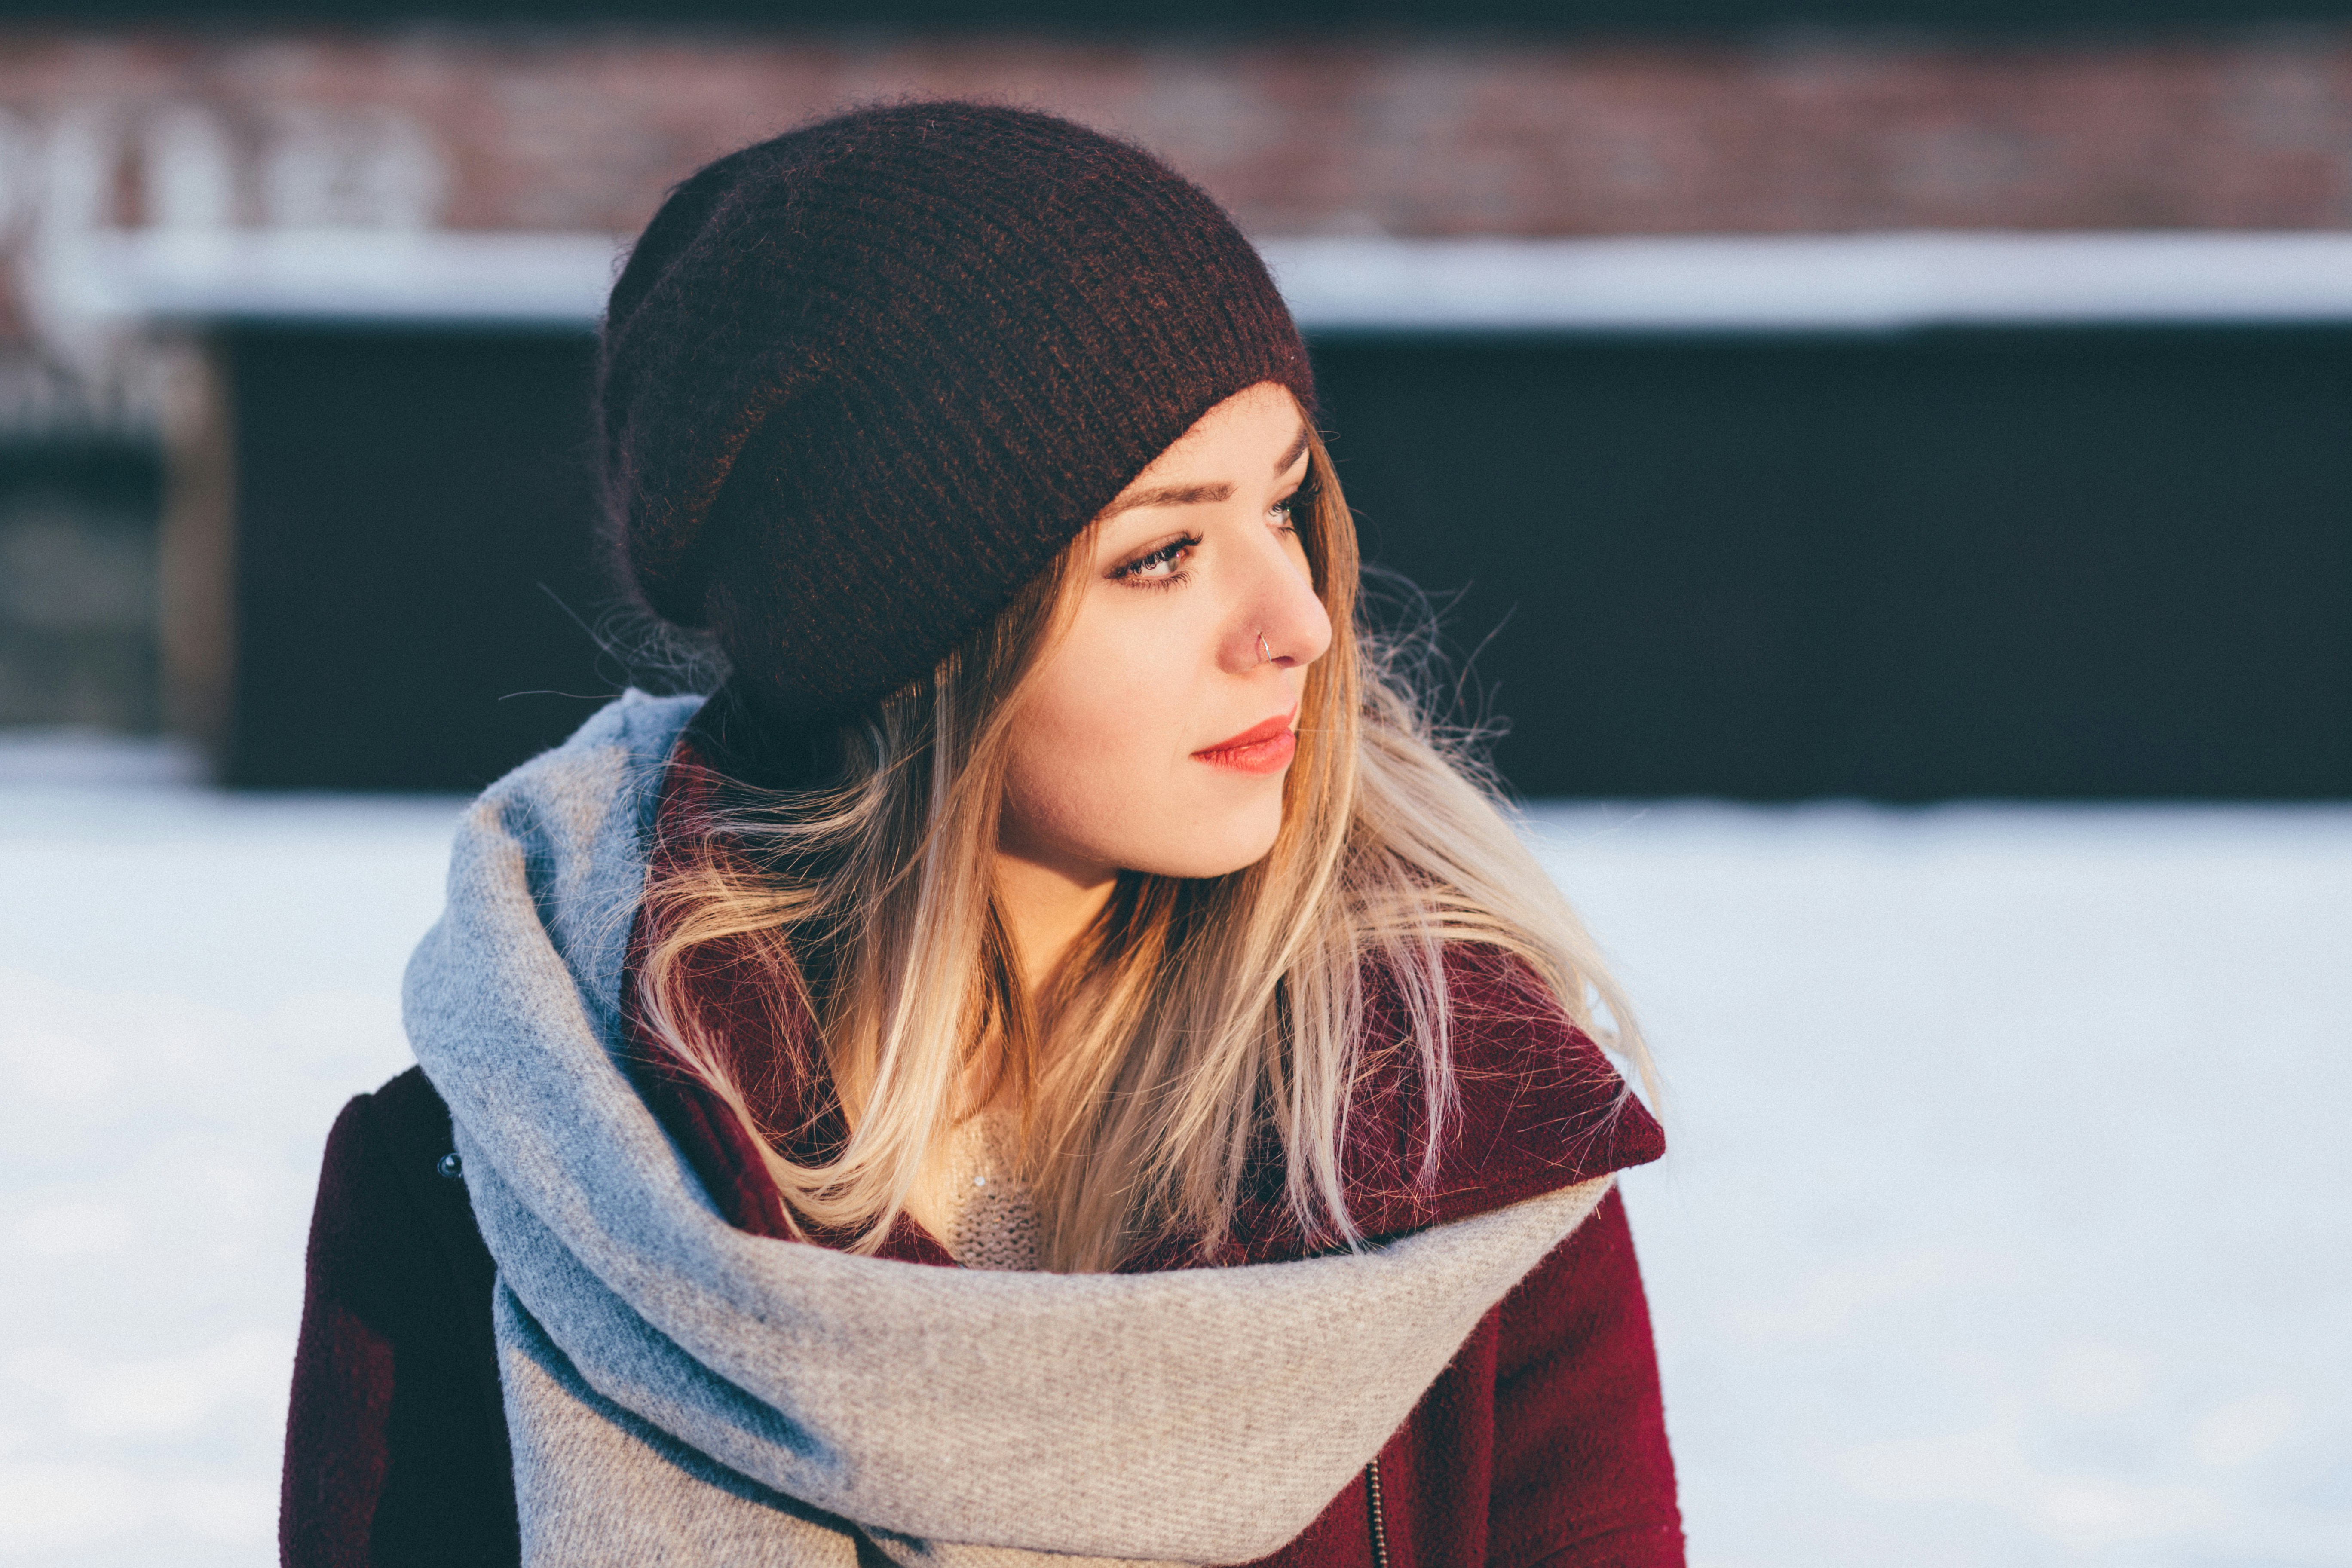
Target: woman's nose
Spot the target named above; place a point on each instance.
(1280, 619)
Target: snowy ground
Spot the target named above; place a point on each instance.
(2008, 1220)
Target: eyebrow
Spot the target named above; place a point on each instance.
(1196, 495)
(1297, 450)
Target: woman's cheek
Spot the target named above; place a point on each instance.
(1090, 769)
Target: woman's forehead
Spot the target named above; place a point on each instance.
(1258, 429)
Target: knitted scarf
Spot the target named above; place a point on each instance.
(679, 1391)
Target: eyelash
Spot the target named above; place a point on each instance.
(1131, 572)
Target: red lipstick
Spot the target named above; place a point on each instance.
(1261, 749)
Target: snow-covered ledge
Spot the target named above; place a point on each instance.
(106, 279)
(1860, 282)
(1772, 283)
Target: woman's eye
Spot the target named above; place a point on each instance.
(1284, 513)
(1158, 568)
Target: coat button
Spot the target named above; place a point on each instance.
(450, 1165)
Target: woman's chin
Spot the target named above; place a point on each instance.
(1234, 845)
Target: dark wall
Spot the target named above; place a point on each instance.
(2047, 565)
(77, 581)
(412, 508)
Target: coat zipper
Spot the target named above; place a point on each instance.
(1379, 1522)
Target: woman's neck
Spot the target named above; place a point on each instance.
(1047, 907)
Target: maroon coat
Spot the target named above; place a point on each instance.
(1542, 1443)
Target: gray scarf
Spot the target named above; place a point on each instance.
(680, 1392)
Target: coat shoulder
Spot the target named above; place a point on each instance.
(396, 1444)
(1536, 1104)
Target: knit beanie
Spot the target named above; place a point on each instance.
(861, 382)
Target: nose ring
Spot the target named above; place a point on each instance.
(1264, 654)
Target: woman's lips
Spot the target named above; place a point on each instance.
(1261, 749)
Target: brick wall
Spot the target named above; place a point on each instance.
(1419, 137)
(583, 130)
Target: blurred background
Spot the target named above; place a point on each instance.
(1889, 462)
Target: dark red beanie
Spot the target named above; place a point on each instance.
(863, 382)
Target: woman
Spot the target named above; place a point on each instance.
(1059, 885)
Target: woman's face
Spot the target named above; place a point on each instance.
(1156, 733)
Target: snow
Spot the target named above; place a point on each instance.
(191, 985)
(2009, 1218)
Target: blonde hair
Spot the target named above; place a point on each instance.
(1194, 1020)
